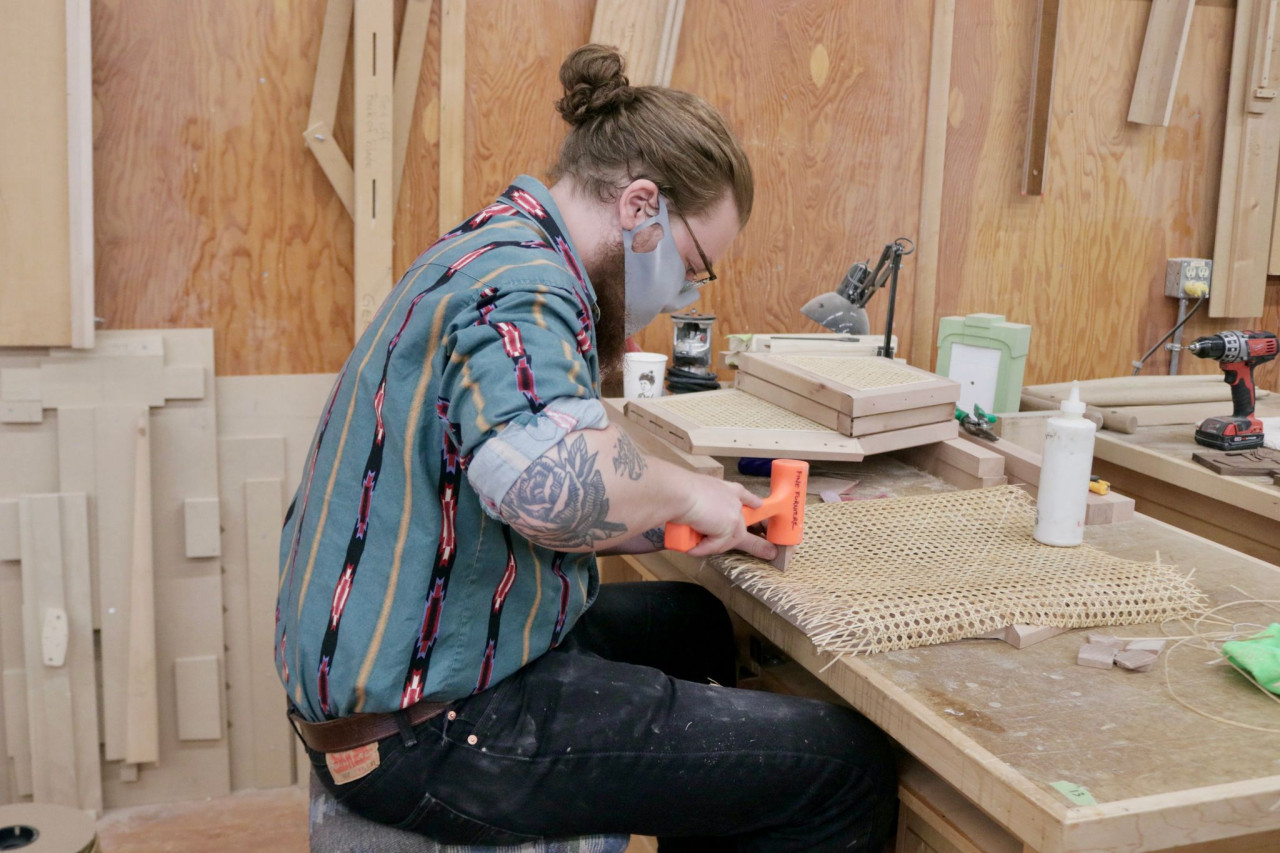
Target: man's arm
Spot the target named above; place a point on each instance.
(596, 491)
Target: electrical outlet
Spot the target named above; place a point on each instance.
(1183, 273)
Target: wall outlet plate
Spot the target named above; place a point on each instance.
(1179, 272)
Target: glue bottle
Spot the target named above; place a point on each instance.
(1064, 474)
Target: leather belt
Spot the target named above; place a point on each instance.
(358, 730)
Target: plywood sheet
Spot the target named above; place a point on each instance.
(265, 425)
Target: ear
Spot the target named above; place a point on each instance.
(637, 203)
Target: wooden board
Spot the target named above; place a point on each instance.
(961, 708)
(919, 388)
(1250, 163)
(265, 425)
(374, 156)
(1041, 100)
(62, 708)
(325, 91)
(924, 329)
(1162, 50)
(413, 43)
(198, 688)
(453, 115)
(645, 31)
(36, 284)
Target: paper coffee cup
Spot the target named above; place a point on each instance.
(643, 374)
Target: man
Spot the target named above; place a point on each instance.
(453, 665)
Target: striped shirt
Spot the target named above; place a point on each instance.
(395, 583)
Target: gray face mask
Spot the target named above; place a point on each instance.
(655, 282)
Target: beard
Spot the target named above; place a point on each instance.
(607, 272)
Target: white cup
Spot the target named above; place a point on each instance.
(643, 374)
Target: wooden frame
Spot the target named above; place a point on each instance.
(853, 403)
(836, 420)
(692, 437)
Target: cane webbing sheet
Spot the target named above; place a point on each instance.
(734, 409)
(879, 575)
(857, 373)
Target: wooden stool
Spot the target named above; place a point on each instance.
(335, 829)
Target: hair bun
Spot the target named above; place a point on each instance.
(593, 82)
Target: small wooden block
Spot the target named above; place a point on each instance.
(20, 412)
(1021, 636)
(196, 688)
(203, 527)
(184, 382)
(20, 384)
(1106, 640)
(1110, 508)
(1153, 645)
(1096, 656)
(783, 559)
(10, 544)
(1136, 660)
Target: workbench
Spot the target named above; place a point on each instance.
(990, 728)
(1153, 466)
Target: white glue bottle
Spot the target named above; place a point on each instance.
(1064, 474)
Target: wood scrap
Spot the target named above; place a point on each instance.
(324, 102)
(1021, 636)
(1110, 508)
(1135, 660)
(1260, 461)
(1096, 656)
(1250, 163)
(374, 182)
(1125, 391)
(646, 32)
(453, 118)
(1041, 100)
(1162, 51)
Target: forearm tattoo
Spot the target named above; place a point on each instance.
(629, 461)
(657, 537)
(559, 501)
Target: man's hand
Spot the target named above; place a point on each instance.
(715, 511)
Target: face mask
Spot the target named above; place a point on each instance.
(655, 282)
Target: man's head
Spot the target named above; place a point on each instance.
(634, 159)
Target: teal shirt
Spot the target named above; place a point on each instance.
(395, 584)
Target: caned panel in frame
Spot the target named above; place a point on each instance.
(854, 386)
(730, 422)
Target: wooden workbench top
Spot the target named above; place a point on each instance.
(1002, 725)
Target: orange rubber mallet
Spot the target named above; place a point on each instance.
(783, 509)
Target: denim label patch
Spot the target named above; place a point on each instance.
(353, 764)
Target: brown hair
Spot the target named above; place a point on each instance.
(619, 132)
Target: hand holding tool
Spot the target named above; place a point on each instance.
(783, 509)
(1238, 353)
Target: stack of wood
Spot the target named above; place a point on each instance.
(808, 406)
(1125, 403)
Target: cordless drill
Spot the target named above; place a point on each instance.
(1238, 353)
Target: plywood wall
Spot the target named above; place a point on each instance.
(210, 211)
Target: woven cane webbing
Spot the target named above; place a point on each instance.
(879, 575)
(736, 410)
(857, 373)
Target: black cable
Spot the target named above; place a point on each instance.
(683, 381)
(1137, 365)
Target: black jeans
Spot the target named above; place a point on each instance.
(619, 731)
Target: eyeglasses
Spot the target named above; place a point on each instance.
(706, 263)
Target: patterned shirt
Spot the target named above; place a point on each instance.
(396, 583)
